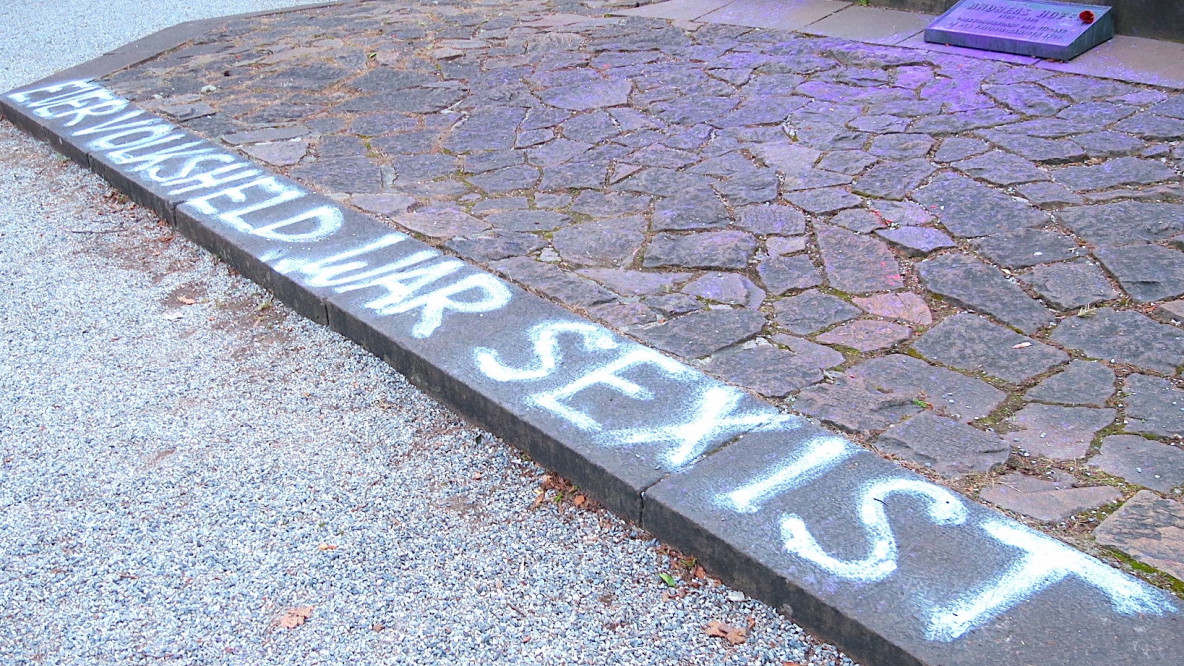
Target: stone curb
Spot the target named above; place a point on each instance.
(887, 565)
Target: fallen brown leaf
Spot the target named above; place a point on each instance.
(294, 617)
(733, 635)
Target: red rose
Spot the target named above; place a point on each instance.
(1086, 16)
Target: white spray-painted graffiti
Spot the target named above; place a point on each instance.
(73, 101)
(707, 418)
(325, 219)
(572, 359)
(944, 509)
(714, 418)
(241, 196)
(710, 414)
(400, 281)
(1044, 562)
(810, 460)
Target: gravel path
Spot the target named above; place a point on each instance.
(40, 38)
(185, 462)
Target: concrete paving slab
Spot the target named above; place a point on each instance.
(1128, 58)
(678, 10)
(870, 24)
(917, 41)
(776, 14)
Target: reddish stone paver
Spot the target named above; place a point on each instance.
(1149, 528)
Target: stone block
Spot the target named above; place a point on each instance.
(1047, 500)
(703, 333)
(1122, 336)
(1053, 431)
(972, 343)
(1148, 528)
(950, 448)
(1050, 30)
(1143, 462)
(949, 393)
(1081, 383)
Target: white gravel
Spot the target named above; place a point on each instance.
(182, 461)
(40, 37)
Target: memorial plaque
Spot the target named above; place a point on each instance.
(1053, 30)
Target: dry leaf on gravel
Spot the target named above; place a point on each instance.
(733, 635)
(294, 617)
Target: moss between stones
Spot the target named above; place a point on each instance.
(1149, 573)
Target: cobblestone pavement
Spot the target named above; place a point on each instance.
(971, 266)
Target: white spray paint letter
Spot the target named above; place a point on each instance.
(338, 270)
(125, 122)
(944, 509)
(238, 194)
(1044, 562)
(811, 459)
(32, 97)
(141, 135)
(491, 294)
(317, 222)
(712, 419)
(185, 180)
(400, 279)
(545, 339)
(608, 375)
(78, 107)
(150, 162)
